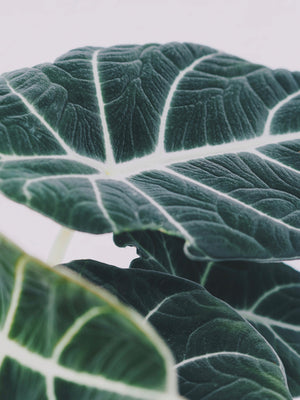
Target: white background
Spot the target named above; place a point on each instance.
(36, 31)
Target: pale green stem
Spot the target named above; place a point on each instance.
(59, 246)
(206, 273)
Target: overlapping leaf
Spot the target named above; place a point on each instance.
(62, 338)
(175, 137)
(218, 354)
(267, 295)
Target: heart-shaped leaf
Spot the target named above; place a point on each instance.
(179, 138)
(218, 354)
(62, 338)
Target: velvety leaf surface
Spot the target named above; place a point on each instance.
(61, 338)
(267, 295)
(218, 354)
(178, 137)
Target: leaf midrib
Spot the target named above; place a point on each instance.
(146, 163)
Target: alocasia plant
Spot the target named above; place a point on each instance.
(192, 156)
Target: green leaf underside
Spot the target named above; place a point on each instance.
(63, 338)
(218, 354)
(177, 137)
(267, 295)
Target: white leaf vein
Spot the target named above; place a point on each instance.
(162, 211)
(272, 112)
(270, 292)
(66, 339)
(47, 366)
(13, 305)
(217, 354)
(268, 321)
(231, 199)
(157, 161)
(110, 160)
(101, 204)
(167, 106)
(261, 155)
(68, 150)
(34, 112)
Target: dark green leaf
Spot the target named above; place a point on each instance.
(178, 137)
(62, 338)
(267, 295)
(218, 354)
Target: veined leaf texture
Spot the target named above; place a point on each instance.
(179, 138)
